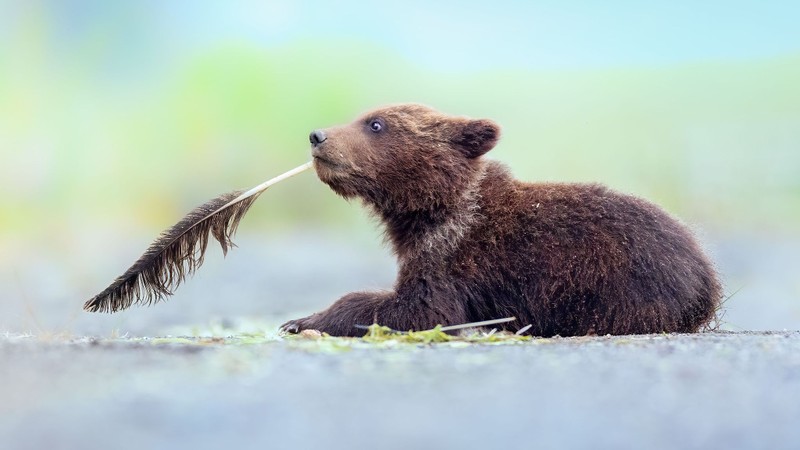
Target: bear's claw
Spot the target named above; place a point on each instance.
(294, 326)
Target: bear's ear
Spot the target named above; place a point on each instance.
(476, 137)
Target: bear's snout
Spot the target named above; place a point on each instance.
(317, 137)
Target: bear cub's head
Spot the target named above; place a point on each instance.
(404, 158)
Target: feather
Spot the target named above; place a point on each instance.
(179, 251)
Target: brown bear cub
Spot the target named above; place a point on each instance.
(474, 244)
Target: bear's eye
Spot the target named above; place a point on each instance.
(376, 125)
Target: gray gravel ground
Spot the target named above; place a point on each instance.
(714, 390)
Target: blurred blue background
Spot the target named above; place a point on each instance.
(116, 118)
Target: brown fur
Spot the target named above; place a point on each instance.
(475, 244)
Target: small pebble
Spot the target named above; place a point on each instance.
(311, 334)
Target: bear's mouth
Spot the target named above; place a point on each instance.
(327, 162)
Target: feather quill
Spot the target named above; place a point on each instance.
(179, 251)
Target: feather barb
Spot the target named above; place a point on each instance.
(179, 250)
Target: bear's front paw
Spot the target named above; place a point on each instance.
(297, 325)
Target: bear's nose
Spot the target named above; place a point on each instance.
(317, 137)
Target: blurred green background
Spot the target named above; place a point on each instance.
(118, 117)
